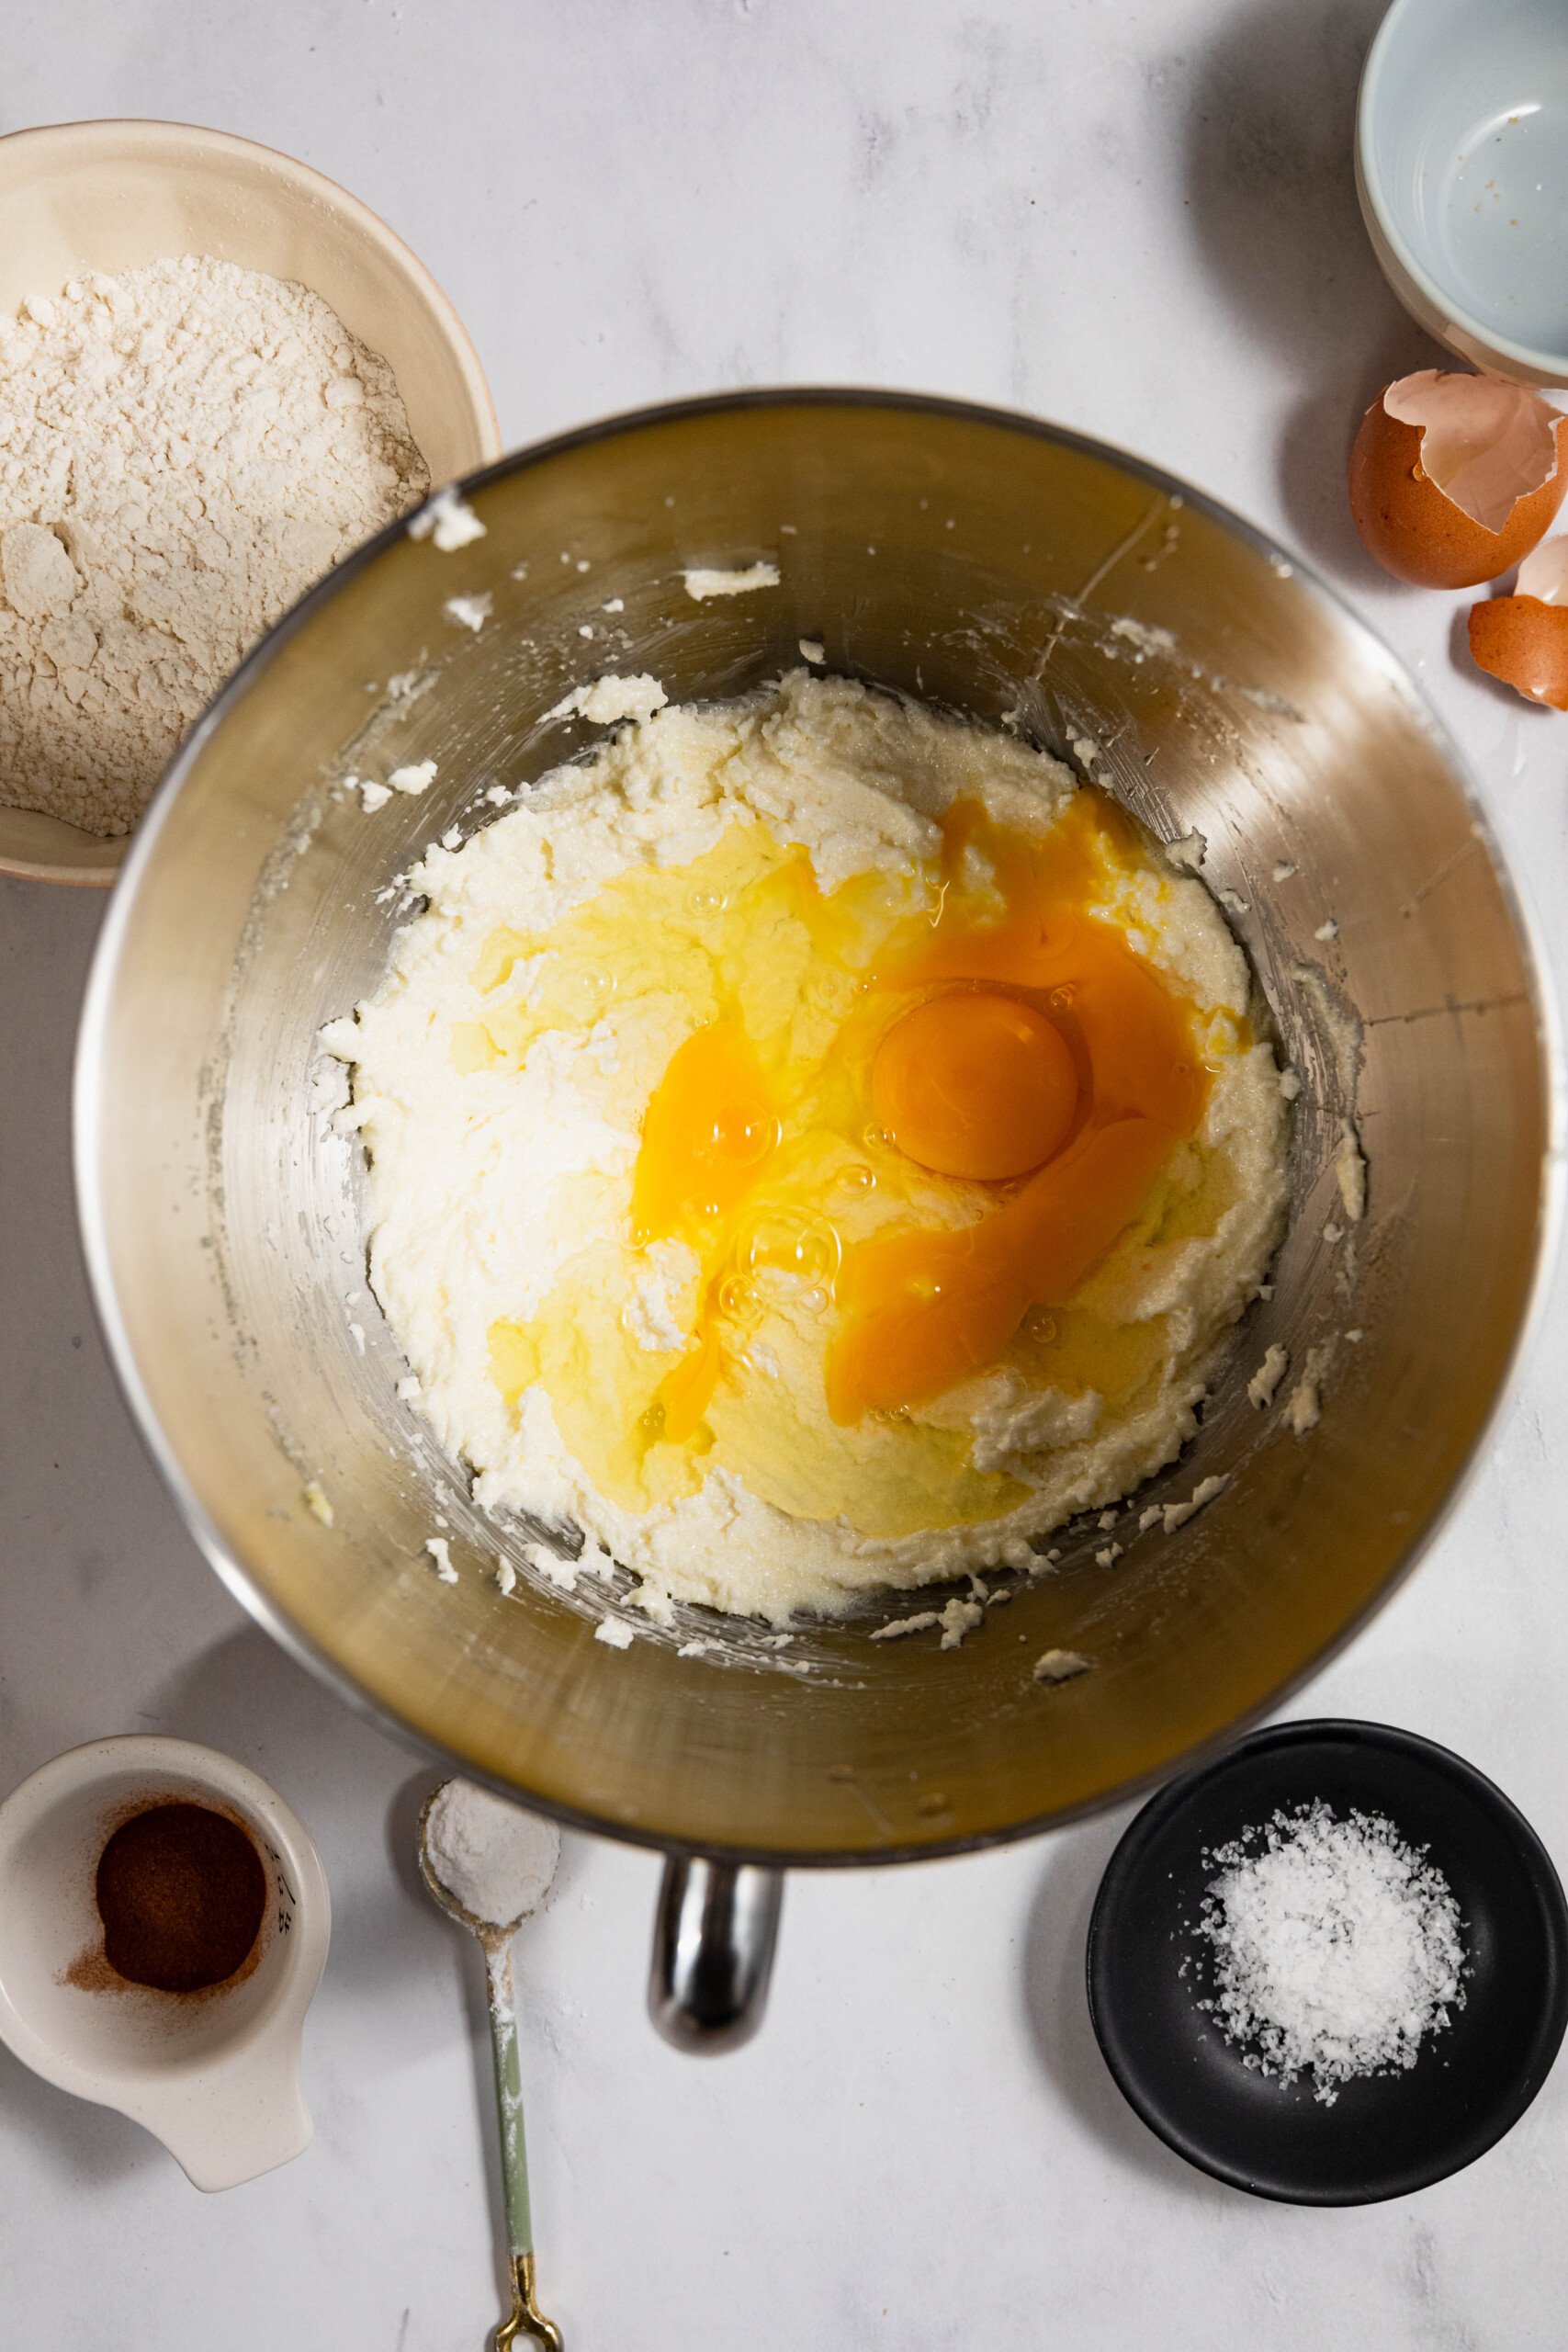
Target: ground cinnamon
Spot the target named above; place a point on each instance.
(181, 1892)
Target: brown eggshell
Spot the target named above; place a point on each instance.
(1419, 534)
(1525, 643)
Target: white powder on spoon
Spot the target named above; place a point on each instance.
(1338, 1948)
(496, 1860)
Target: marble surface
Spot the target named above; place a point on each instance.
(1138, 220)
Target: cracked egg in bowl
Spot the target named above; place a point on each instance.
(816, 1143)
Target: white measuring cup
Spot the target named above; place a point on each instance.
(214, 2076)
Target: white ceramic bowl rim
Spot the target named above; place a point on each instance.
(153, 130)
(35, 845)
(1538, 364)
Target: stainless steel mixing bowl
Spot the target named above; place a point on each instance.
(1037, 580)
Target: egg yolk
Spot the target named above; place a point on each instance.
(920, 1311)
(924, 1310)
(975, 1084)
(1041, 1047)
(905, 1121)
(709, 1128)
(706, 1131)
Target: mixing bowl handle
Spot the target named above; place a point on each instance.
(713, 1951)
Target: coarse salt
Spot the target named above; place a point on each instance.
(1337, 1947)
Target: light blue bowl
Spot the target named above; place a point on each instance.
(1462, 166)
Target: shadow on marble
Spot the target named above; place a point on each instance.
(246, 1696)
(1270, 183)
(92, 2147)
(1057, 2008)
(246, 1693)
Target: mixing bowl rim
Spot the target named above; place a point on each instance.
(87, 1139)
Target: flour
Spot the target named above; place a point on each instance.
(704, 581)
(495, 1859)
(184, 449)
(1061, 1665)
(607, 701)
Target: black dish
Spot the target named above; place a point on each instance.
(1385, 2134)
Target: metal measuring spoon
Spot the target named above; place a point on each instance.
(496, 1941)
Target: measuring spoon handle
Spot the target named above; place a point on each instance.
(526, 2313)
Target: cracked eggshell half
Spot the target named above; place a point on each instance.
(1454, 478)
(1523, 639)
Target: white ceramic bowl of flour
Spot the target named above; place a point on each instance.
(113, 195)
